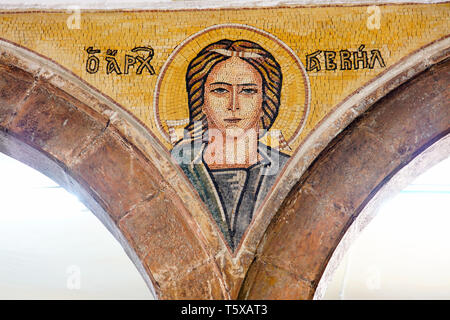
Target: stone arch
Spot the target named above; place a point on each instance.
(348, 173)
(435, 153)
(58, 124)
(55, 122)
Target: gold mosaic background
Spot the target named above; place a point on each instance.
(172, 102)
(402, 30)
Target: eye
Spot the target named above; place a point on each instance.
(219, 90)
(249, 91)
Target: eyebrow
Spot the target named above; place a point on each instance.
(229, 84)
(247, 84)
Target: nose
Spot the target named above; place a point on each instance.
(234, 103)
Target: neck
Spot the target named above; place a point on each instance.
(232, 151)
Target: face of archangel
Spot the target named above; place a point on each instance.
(233, 97)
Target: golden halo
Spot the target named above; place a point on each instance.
(171, 102)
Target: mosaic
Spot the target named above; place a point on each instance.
(231, 93)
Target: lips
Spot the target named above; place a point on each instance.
(232, 120)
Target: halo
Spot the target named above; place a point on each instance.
(170, 103)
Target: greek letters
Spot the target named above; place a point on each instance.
(112, 65)
(139, 63)
(360, 56)
(92, 62)
(330, 57)
(346, 62)
(344, 59)
(129, 61)
(144, 62)
(312, 62)
(376, 56)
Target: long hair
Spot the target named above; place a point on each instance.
(200, 67)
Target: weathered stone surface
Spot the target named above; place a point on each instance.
(333, 190)
(197, 284)
(419, 125)
(14, 84)
(158, 221)
(289, 238)
(53, 122)
(233, 270)
(269, 286)
(119, 176)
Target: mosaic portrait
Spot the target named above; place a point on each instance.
(227, 146)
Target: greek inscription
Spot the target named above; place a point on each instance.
(139, 63)
(344, 59)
